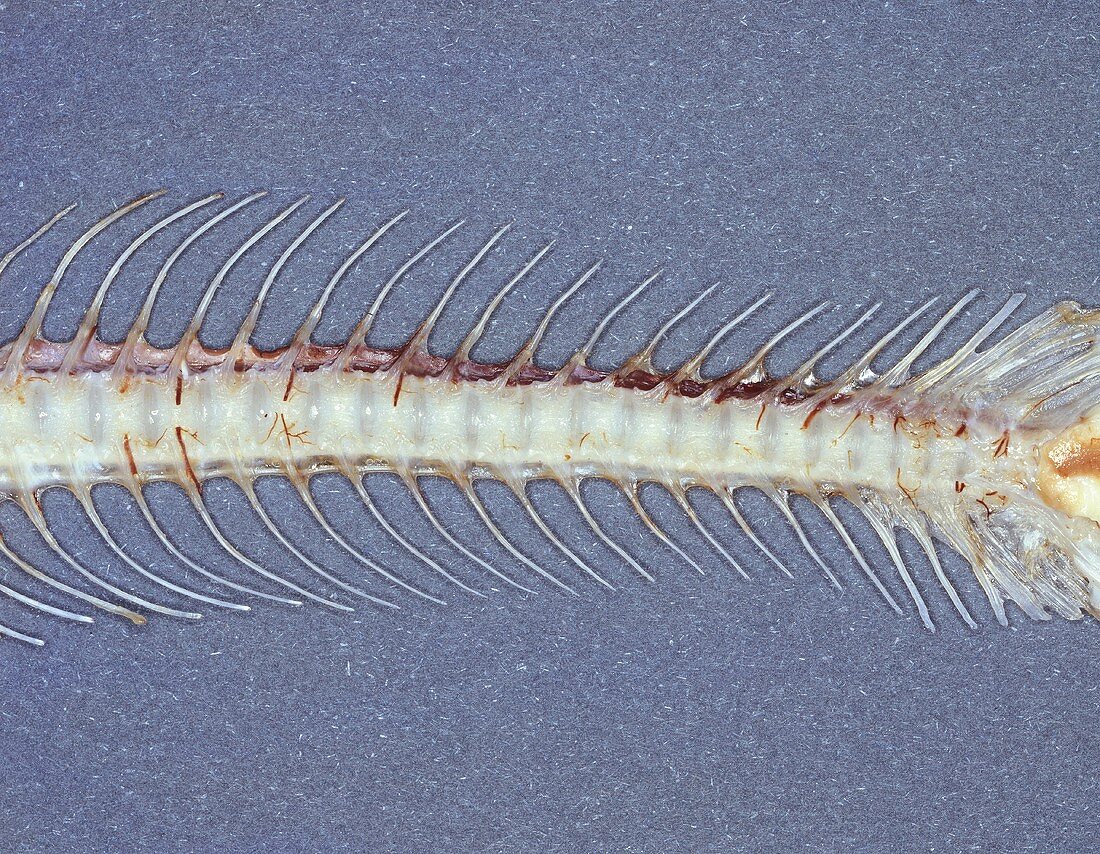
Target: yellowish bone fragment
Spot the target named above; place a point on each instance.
(1069, 473)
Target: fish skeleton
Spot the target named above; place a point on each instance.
(994, 453)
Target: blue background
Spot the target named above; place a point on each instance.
(821, 150)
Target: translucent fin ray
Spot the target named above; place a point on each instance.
(207, 518)
(631, 492)
(519, 488)
(174, 550)
(37, 574)
(468, 490)
(889, 541)
(726, 495)
(680, 494)
(84, 496)
(30, 602)
(462, 353)
(284, 540)
(781, 499)
(33, 326)
(573, 489)
(413, 485)
(38, 520)
(302, 485)
(822, 504)
(403, 541)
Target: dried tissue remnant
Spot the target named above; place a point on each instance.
(1070, 475)
(991, 452)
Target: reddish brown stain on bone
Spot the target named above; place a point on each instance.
(187, 460)
(129, 455)
(813, 414)
(46, 357)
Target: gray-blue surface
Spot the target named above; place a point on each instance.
(820, 150)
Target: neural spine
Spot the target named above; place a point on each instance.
(972, 452)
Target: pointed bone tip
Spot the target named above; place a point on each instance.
(27, 639)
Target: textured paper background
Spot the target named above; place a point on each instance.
(857, 154)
